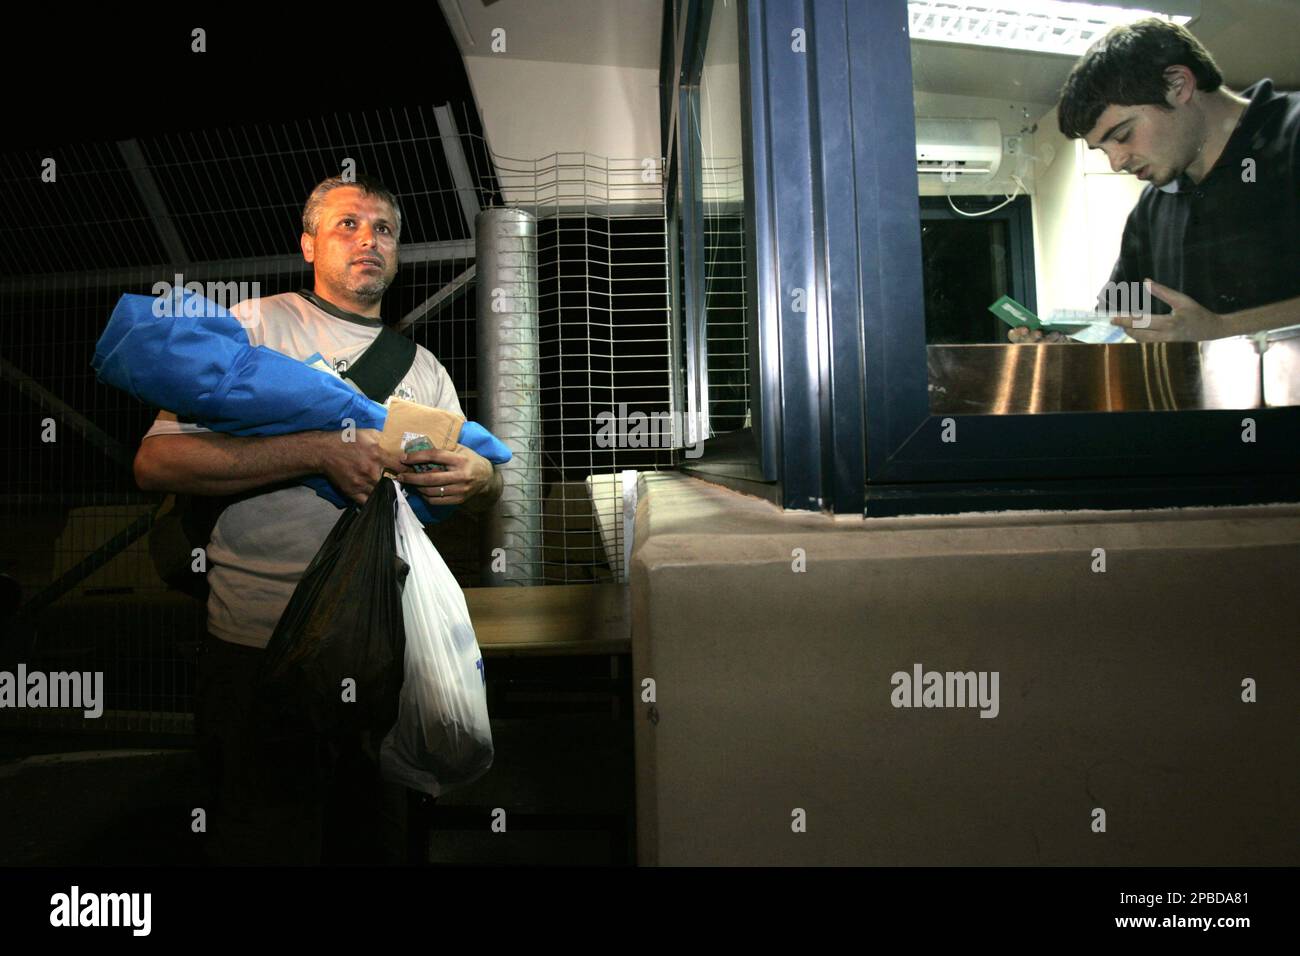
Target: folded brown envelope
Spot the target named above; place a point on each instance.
(442, 427)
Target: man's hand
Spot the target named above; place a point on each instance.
(1188, 322)
(468, 474)
(355, 467)
(1024, 335)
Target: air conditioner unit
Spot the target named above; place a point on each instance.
(958, 147)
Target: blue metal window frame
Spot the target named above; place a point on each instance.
(804, 292)
(842, 412)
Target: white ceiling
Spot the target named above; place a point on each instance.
(606, 32)
(1249, 39)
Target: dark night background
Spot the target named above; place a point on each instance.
(135, 75)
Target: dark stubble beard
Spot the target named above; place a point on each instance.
(369, 291)
(372, 290)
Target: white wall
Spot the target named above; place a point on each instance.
(1011, 119)
(532, 108)
(1080, 208)
(1079, 205)
(720, 133)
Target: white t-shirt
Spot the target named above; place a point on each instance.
(261, 545)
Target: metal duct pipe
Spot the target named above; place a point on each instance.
(509, 400)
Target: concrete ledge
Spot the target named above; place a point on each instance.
(1118, 690)
(553, 619)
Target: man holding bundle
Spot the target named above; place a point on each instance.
(273, 803)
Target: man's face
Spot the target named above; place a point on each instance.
(354, 250)
(1155, 144)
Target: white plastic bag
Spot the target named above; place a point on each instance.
(442, 738)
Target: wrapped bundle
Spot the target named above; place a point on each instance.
(195, 360)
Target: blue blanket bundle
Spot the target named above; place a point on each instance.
(197, 363)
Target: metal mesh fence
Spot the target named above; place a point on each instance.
(604, 347)
(725, 322)
(225, 205)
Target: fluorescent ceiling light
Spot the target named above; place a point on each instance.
(1045, 26)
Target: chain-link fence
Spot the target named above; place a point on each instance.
(97, 221)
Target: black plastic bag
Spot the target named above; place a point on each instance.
(344, 622)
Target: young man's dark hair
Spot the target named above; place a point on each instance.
(1127, 67)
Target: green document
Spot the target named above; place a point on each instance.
(1014, 314)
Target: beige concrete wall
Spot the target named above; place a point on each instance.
(1119, 690)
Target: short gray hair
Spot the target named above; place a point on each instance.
(367, 184)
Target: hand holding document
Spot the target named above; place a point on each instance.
(1090, 328)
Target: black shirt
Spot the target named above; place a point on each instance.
(1232, 241)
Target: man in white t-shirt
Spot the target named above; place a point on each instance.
(273, 802)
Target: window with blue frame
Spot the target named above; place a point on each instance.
(895, 187)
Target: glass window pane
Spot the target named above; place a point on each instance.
(722, 185)
(1019, 216)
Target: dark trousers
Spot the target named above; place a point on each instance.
(306, 799)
